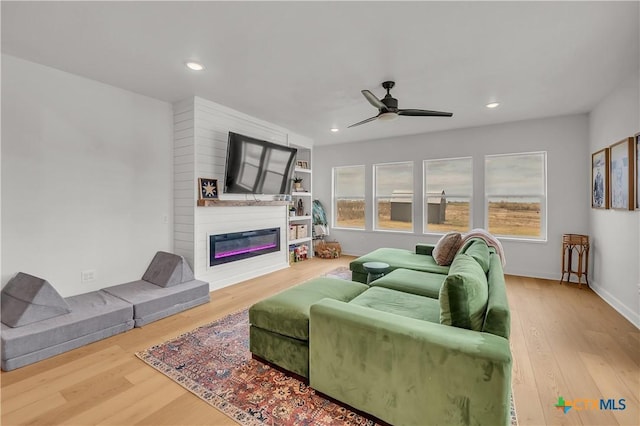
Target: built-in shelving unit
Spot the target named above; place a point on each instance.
(303, 222)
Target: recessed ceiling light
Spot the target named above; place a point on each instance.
(334, 129)
(493, 105)
(194, 66)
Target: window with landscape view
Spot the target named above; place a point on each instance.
(448, 186)
(516, 195)
(393, 202)
(348, 197)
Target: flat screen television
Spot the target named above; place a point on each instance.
(256, 166)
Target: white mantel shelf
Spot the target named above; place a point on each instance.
(232, 203)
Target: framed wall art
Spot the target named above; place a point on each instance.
(207, 189)
(600, 179)
(637, 145)
(621, 174)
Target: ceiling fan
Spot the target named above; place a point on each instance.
(388, 107)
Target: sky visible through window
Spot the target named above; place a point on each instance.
(515, 175)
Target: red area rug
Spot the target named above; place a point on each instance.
(214, 363)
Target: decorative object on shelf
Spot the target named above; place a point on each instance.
(622, 175)
(300, 209)
(600, 179)
(208, 189)
(302, 164)
(637, 138)
(297, 183)
(300, 252)
(580, 245)
(292, 211)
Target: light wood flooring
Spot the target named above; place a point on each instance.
(565, 342)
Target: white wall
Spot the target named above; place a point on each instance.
(564, 139)
(615, 233)
(86, 178)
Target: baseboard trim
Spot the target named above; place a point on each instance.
(615, 303)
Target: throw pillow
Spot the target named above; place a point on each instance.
(464, 294)
(27, 299)
(446, 248)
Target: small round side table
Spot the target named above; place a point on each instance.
(375, 270)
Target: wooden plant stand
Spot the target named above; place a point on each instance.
(579, 244)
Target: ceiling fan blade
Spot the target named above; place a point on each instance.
(424, 113)
(373, 100)
(363, 121)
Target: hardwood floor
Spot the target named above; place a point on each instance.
(565, 342)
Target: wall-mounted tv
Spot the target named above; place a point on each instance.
(256, 166)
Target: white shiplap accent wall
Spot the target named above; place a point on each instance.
(201, 132)
(183, 179)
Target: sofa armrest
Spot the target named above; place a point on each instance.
(407, 371)
(425, 249)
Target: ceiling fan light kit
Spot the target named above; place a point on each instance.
(387, 116)
(388, 107)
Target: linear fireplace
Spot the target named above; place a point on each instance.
(224, 248)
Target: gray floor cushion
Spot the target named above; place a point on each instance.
(167, 270)
(152, 302)
(27, 299)
(93, 316)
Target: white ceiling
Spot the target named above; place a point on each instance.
(301, 65)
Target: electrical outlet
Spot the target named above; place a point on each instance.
(88, 276)
(165, 218)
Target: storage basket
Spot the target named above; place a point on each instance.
(327, 249)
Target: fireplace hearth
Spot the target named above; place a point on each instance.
(225, 248)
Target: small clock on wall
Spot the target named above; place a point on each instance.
(208, 188)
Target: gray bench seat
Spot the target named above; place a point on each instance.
(94, 316)
(152, 302)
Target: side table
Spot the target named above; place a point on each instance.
(375, 270)
(580, 245)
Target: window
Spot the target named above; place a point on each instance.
(348, 197)
(516, 195)
(393, 202)
(448, 189)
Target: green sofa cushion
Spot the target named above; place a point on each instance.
(399, 303)
(498, 318)
(398, 258)
(464, 294)
(479, 250)
(287, 313)
(415, 282)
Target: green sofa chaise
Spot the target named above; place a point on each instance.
(418, 260)
(415, 348)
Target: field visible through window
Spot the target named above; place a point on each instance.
(521, 219)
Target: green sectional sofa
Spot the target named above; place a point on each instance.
(416, 347)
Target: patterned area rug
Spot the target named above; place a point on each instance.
(343, 272)
(214, 363)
